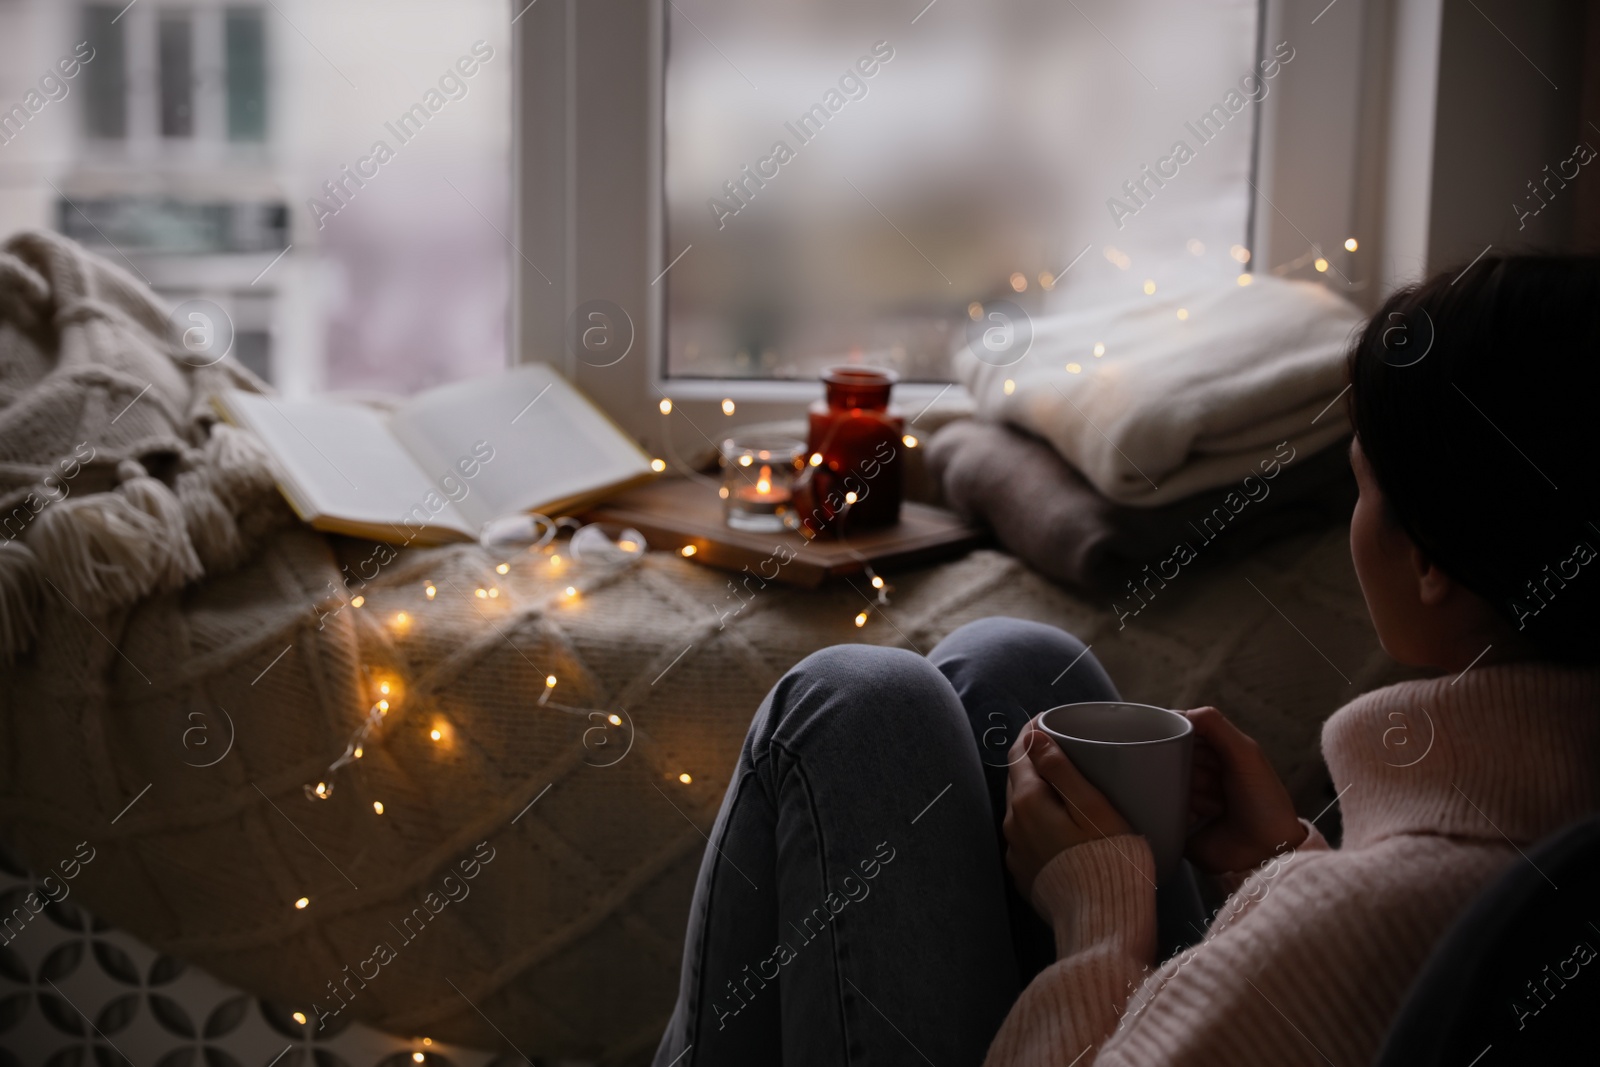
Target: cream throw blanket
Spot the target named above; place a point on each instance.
(95, 399)
(1177, 406)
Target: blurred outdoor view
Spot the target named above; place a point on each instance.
(230, 151)
(929, 161)
(973, 162)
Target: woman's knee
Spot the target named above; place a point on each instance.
(894, 686)
(1036, 663)
(1000, 639)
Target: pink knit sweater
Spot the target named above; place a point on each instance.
(1312, 956)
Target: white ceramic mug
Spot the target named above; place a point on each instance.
(1139, 756)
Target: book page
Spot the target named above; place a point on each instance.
(342, 463)
(518, 442)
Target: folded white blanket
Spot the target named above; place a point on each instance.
(1176, 405)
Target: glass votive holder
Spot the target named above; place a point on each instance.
(758, 476)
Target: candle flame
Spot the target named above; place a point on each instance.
(764, 482)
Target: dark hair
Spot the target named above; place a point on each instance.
(1476, 398)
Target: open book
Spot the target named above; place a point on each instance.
(445, 462)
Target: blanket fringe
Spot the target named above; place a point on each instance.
(20, 593)
(212, 531)
(110, 549)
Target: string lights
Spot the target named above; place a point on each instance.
(602, 550)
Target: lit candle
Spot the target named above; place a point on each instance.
(758, 482)
(764, 492)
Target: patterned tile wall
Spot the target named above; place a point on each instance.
(76, 993)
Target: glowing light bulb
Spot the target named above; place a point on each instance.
(504, 568)
(383, 687)
(481, 593)
(383, 707)
(1074, 368)
(430, 590)
(1245, 279)
(974, 311)
(727, 406)
(1009, 387)
(322, 789)
(1321, 265)
(299, 1017)
(1350, 244)
(435, 734)
(1240, 253)
(555, 559)
(1149, 287)
(401, 620)
(1099, 349)
(685, 778)
(910, 440)
(861, 620)
(356, 602)
(614, 719)
(745, 461)
(549, 681)
(494, 591)
(877, 582)
(377, 806)
(418, 1057)
(571, 591)
(1019, 282)
(722, 491)
(628, 546)
(1047, 282)
(850, 498)
(688, 550)
(658, 465)
(359, 752)
(302, 903)
(816, 459)
(666, 406)
(1183, 314)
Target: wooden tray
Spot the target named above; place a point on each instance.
(676, 512)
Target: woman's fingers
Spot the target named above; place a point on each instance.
(1231, 746)
(1088, 806)
(1021, 776)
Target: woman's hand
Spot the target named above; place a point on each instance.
(1050, 807)
(1234, 784)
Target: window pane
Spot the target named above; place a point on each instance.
(105, 97)
(343, 254)
(177, 76)
(247, 76)
(849, 178)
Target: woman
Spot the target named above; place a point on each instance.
(854, 908)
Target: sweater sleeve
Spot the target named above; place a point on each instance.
(1100, 898)
(1314, 842)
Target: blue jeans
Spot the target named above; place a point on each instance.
(852, 907)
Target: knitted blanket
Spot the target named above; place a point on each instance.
(115, 479)
(1044, 511)
(1154, 398)
(504, 860)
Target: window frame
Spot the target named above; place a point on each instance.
(589, 211)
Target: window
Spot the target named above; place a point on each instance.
(105, 109)
(247, 76)
(848, 182)
(176, 39)
(226, 150)
(746, 191)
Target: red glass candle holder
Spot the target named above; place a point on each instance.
(854, 442)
